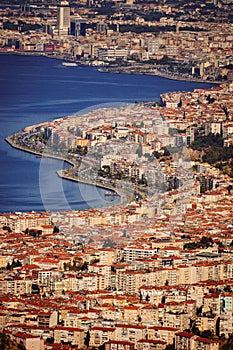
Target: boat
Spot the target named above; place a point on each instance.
(69, 64)
(111, 193)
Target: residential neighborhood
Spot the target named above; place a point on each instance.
(152, 273)
(151, 268)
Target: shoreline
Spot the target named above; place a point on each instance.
(122, 70)
(36, 153)
(60, 173)
(97, 184)
(114, 70)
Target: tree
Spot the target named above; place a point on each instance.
(206, 241)
(156, 154)
(199, 310)
(211, 140)
(87, 339)
(163, 301)
(56, 229)
(166, 152)
(94, 261)
(217, 330)
(7, 344)
(170, 347)
(21, 346)
(207, 333)
(82, 151)
(229, 343)
(108, 243)
(84, 266)
(139, 150)
(50, 340)
(194, 329)
(16, 263)
(6, 228)
(35, 233)
(227, 289)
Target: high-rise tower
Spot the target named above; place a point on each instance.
(63, 18)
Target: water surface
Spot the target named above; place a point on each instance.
(36, 89)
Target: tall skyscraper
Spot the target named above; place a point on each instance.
(63, 18)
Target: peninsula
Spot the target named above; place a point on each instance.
(156, 270)
(127, 149)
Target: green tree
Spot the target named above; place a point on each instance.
(56, 229)
(195, 330)
(16, 263)
(7, 344)
(50, 340)
(35, 233)
(87, 339)
(84, 266)
(170, 347)
(6, 228)
(156, 154)
(166, 152)
(82, 151)
(94, 261)
(229, 344)
(139, 150)
(207, 141)
(206, 241)
(108, 243)
(217, 330)
(207, 333)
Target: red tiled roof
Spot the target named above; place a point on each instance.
(207, 341)
(185, 334)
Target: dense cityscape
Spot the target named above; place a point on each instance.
(189, 40)
(153, 269)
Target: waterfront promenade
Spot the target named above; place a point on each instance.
(125, 195)
(152, 70)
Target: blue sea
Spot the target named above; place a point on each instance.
(37, 89)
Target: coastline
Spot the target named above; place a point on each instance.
(28, 150)
(115, 70)
(126, 70)
(108, 187)
(60, 173)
